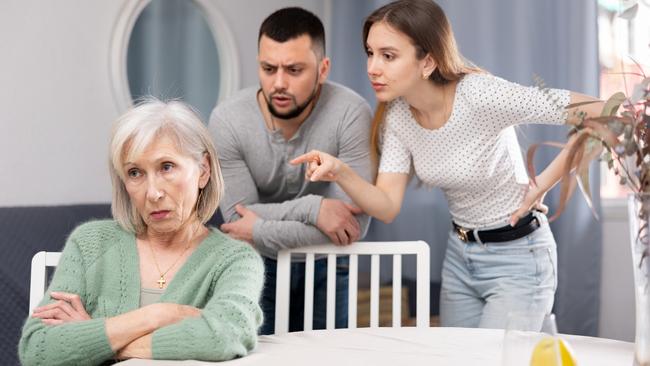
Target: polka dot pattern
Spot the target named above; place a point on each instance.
(475, 157)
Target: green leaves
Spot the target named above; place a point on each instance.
(620, 135)
(613, 103)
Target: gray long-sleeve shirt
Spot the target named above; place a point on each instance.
(257, 173)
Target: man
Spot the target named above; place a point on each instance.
(258, 131)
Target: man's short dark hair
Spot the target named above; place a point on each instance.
(290, 23)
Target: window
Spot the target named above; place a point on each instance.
(621, 42)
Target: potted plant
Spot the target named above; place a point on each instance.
(620, 136)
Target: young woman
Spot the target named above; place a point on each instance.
(453, 126)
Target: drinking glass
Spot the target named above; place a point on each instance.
(523, 333)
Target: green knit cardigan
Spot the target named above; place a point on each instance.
(223, 278)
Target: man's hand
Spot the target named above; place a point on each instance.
(336, 220)
(241, 229)
(67, 308)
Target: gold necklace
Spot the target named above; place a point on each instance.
(161, 281)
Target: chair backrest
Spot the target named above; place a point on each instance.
(38, 281)
(374, 249)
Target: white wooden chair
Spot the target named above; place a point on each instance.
(37, 285)
(374, 249)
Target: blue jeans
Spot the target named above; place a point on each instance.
(297, 295)
(481, 283)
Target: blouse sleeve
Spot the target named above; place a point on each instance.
(508, 104)
(395, 156)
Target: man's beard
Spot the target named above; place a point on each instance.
(297, 110)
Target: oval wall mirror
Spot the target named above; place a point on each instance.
(172, 55)
(173, 49)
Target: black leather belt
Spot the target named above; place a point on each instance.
(524, 226)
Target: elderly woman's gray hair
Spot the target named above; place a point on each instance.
(136, 129)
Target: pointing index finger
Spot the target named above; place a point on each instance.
(306, 158)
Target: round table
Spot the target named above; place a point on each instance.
(405, 346)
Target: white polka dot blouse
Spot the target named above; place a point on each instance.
(474, 157)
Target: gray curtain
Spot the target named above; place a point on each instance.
(514, 39)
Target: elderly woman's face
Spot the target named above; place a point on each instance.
(163, 184)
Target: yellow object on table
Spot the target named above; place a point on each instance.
(545, 353)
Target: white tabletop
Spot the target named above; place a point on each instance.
(403, 346)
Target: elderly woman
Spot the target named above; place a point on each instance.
(156, 282)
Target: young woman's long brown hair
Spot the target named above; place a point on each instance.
(426, 24)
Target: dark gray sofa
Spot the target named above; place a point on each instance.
(23, 232)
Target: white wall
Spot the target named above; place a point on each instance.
(55, 100)
(56, 97)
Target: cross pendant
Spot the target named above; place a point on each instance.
(161, 282)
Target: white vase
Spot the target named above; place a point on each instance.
(639, 217)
